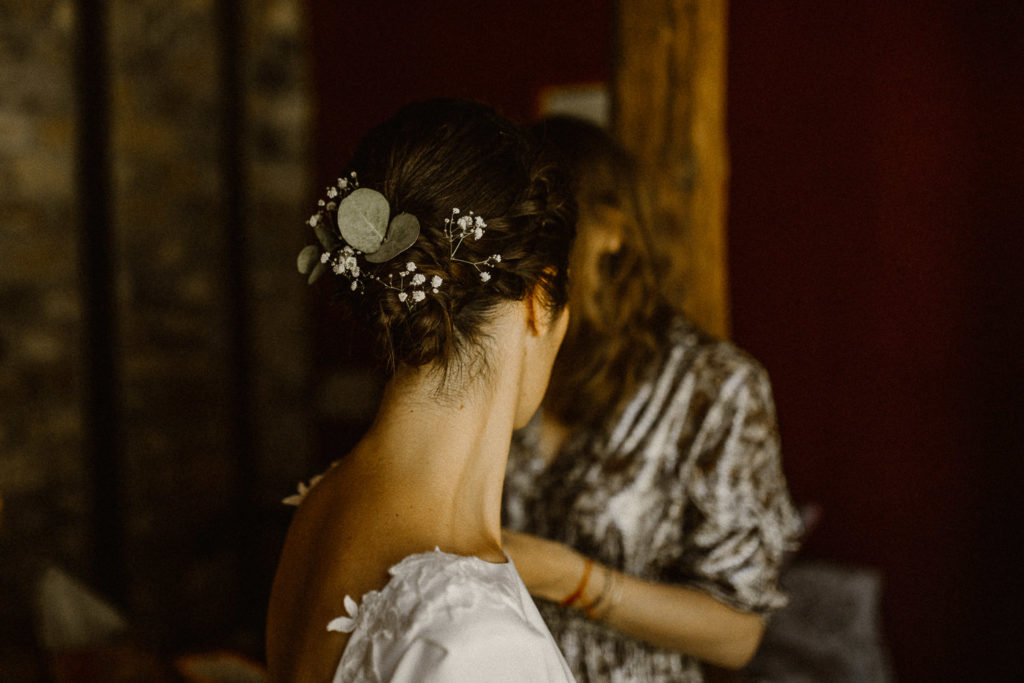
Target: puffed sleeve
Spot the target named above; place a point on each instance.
(739, 521)
(491, 648)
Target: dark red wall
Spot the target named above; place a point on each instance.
(874, 255)
(874, 250)
(372, 57)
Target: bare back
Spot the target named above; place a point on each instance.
(345, 536)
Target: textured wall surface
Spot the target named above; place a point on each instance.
(173, 312)
(43, 478)
(207, 123)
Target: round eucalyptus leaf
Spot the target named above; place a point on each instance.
(363, 219)
(308, 257)
(402, 233)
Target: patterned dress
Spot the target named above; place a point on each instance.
(685, 487)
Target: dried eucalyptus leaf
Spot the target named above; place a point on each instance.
(318, 270)
(308, 257)
(329, 240)
(402, 234)
(363, 219)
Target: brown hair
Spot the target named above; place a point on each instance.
(433, 157)
(619, 317)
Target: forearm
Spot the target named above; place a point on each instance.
(684, 619)
(666, 615)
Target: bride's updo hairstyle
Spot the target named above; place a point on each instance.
(446, 160)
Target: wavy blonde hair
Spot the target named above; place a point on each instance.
(618, 312)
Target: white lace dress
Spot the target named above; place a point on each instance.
(445, 617)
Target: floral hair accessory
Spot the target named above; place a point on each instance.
(365, 232)
(362, 219)
(457, 230)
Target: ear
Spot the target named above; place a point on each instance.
(538, 315)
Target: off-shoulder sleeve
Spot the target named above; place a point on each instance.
(739, 521)
(489, 646)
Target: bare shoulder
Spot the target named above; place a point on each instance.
(329, 553)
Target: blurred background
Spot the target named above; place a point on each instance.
(166, 378)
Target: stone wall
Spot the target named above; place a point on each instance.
(43, 477)
(208, 168)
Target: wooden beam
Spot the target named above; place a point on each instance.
(668, 100)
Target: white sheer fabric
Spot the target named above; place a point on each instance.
(445, 617)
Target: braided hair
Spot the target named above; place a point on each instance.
(436, 156)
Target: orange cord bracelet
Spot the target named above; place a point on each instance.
(576, 594)
(591, 609)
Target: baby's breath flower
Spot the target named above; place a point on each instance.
(407, 282)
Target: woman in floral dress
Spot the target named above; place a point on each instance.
(645, 504)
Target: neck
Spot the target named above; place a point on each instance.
(445, 457)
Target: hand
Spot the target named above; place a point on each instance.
(665, 615)
(549, 569)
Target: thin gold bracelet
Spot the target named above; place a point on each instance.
(613, 600)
